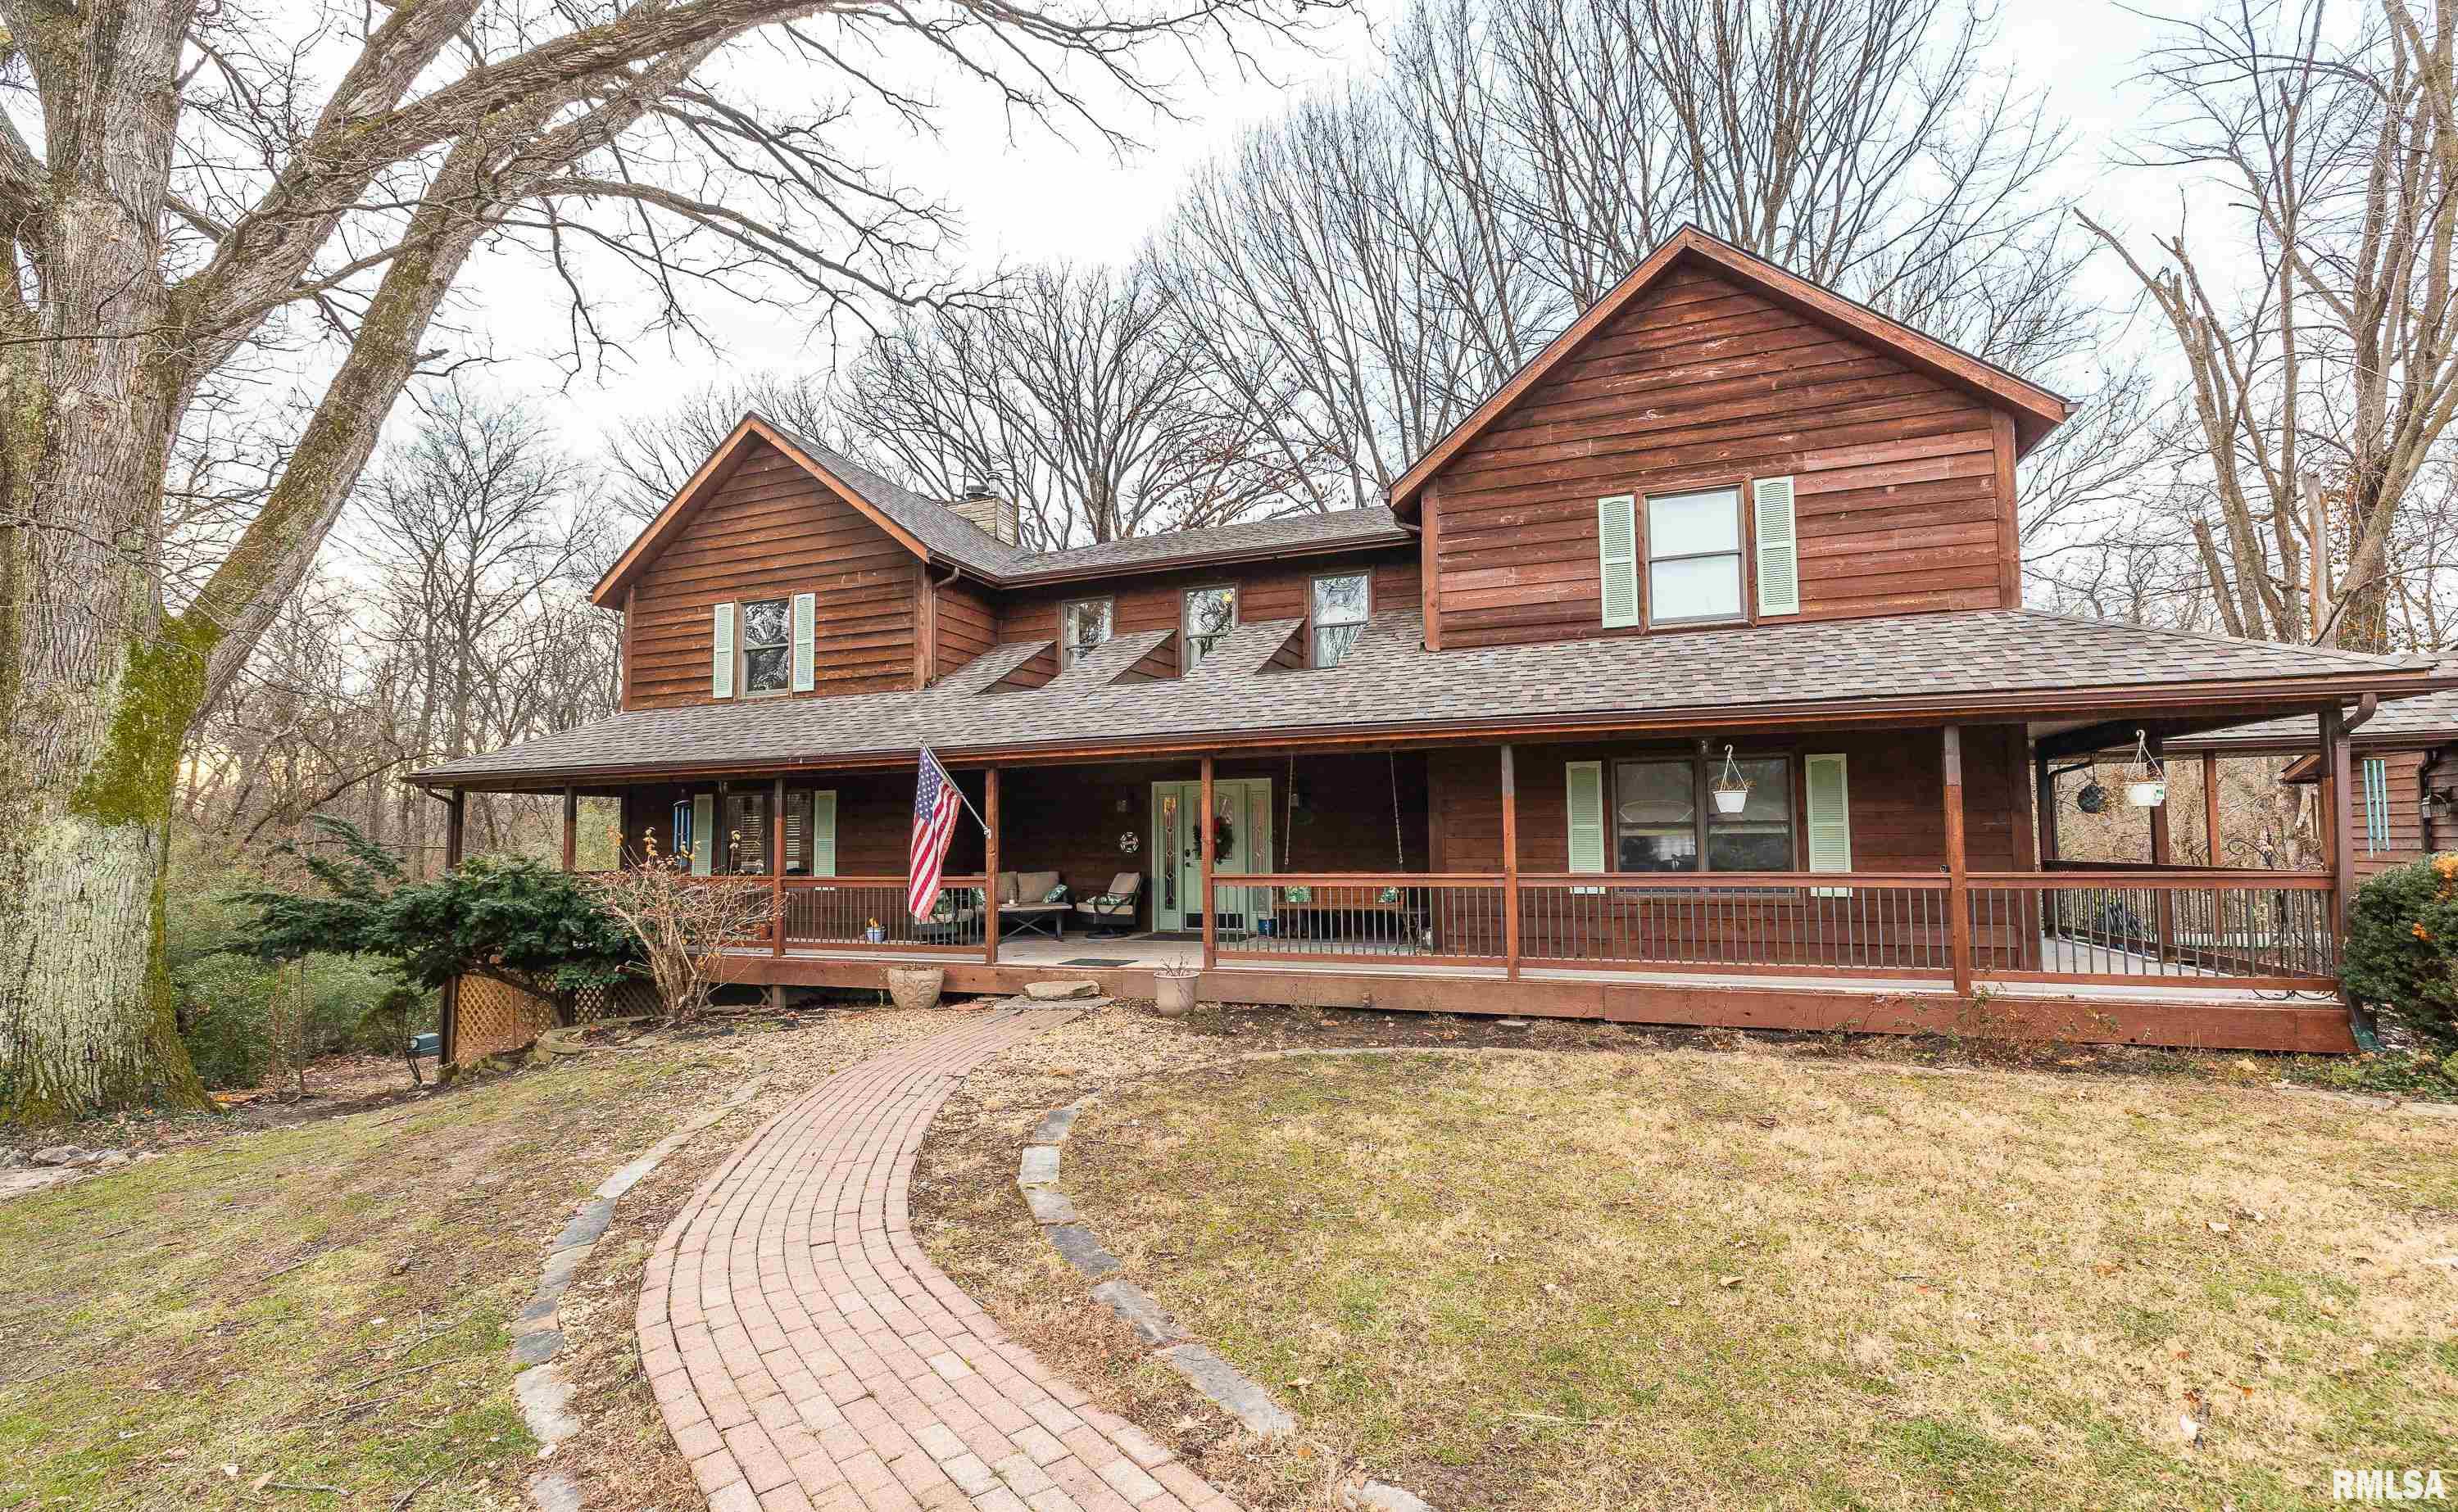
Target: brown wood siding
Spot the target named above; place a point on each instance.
(1896, 780)
(1266, 590)
(2404, 841)
(770, 530)
(1901, 498)
(964, 625)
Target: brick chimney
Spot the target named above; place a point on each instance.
(983, 508)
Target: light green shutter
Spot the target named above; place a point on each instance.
(805, 640)
(721, 667)
(1618, 558)
(1779, 548)
(1831, 817)
(703, 831)
(824, 834)
(1586, 781)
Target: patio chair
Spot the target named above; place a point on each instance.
(1114, 913)
(1021, 908)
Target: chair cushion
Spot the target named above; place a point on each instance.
(1126, 884)
(1007, 893)
(1031, 887)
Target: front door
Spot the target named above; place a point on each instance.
(1245, 806)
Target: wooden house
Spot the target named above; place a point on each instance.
(1686, 681)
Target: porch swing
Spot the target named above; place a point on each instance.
(1328, 920)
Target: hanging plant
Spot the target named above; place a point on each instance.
(2146, 781)
(1731, 789)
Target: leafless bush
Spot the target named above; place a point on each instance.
(685, 924)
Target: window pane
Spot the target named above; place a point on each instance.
(746, 834)
(1760, 837)
(1332, 642)
(766, 622)
(1701, 588)
(765, 669)
(1087, 625)
(1210, 614)
(1340, 600)
(1654, 817)
(1687, 524)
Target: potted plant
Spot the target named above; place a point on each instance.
(873, 933)
(1731, 789)
(2146, 782)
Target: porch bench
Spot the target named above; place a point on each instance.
(1021, 906)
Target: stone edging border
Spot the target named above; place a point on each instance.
(537, 1333)
(1232, 1388)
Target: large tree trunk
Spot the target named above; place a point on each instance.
(99, 690)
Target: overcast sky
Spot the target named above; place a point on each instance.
(1037, 196)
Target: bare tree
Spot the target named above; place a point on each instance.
(188, 190)
(1080, 393)
(2321, 383)
(652, 455)
(1377, 262)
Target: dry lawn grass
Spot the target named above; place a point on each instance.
(1545, 1280)
(314, 1316)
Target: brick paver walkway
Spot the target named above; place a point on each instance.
(807, 1354)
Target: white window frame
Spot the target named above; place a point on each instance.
(1068, 654)
(1193, 657)
(742, 647)
(1315, 623)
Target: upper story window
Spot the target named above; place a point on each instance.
(1211, 613)
(1694, 556)
(1083, 623)
(1341, 604)
(767, 645)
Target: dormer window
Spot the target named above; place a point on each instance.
(767, 645)
(1211, 614)
(1341, 604)
(1083, 624)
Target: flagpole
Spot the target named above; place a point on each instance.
(960, 792)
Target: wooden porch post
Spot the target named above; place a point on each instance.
(990, 865)
(2211, 808)
(2046, 784)
(1203, 827)
(2336, 760)
(2164, 853)
(571, 829)
(777, 860)
(1510, 866)
(448, 1017)
(1958, 888)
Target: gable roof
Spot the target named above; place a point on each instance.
(2036, 412)
(2012, 664)
(938, 534)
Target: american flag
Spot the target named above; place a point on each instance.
(935, 801)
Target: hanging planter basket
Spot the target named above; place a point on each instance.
(1731, 789)
(2146, 781)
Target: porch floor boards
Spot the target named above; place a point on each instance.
(1140, 953)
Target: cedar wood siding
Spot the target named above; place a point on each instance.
(1903, 483)
(1266, 590)
(1896, 781)
(2405, 839)
(964, 624)
(769, 531)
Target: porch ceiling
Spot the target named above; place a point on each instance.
(2013, 666)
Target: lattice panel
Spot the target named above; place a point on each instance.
(492, 1017)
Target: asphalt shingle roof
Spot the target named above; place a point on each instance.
(1388, 678)
(2434, 714)
(953, 538)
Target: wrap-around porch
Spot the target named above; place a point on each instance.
(1874, 879)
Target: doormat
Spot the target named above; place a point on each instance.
(1094, 960)
(1180, 935)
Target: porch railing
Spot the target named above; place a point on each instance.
(2231, 929)
(843, 912)
(1450, 918)
(2127, 925)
